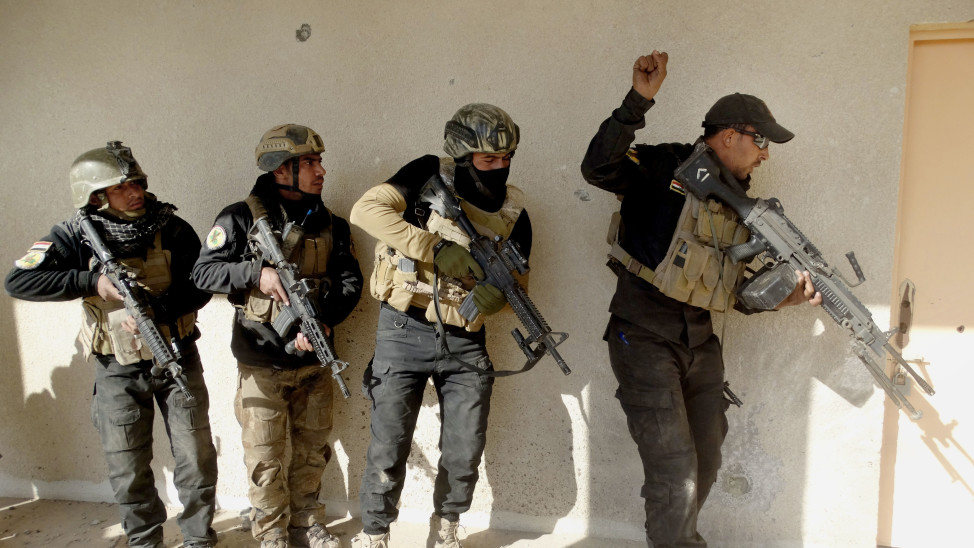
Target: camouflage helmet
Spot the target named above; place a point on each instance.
(101, 168)
(286, 141)
(479, 127)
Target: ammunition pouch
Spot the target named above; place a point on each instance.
(695, 269)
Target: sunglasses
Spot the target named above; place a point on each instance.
(761, 141)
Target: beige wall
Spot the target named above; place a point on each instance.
(190, 86)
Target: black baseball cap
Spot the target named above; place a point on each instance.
(739, 108)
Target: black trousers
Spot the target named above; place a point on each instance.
(122, 410)
(409, 352)
(673, 399)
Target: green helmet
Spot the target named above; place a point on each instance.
(479, 127)
(286, 141)
(101, 168)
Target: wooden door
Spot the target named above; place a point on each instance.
(927, 466)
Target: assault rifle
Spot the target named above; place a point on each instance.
(498, 258)
(783, 250)
(299, 293)
(166, 359)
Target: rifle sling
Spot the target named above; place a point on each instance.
(446, 347)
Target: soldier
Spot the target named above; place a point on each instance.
(419, 253)
(145, 235)
(283, 396)
(662, 347)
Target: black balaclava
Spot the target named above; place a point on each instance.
(486, 190)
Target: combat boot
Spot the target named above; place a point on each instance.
(276, 539)
(365, 540)
(316, 536)
(444, 532)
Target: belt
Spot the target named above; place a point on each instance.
(630, 263)
(413, 312)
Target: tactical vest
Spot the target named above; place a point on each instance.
(101, 331)
(695, 269)
(310, 252)
(403, 281)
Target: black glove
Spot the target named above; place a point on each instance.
(488, 298)
(455, 261)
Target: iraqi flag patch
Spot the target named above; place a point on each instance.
(677, 186)
(34, 257)
(217, 238)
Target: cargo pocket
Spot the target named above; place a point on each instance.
(262, 426)
(319, 412)
(121, 430)
(646, 412)
(656, 422)
(189, 412)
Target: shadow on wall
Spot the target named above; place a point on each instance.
(70, 449)
(528, 459)
(69, 445)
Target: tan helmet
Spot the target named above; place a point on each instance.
(479, 127)
(101, 168)
(286, 141)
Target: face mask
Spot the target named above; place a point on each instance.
(485, 189)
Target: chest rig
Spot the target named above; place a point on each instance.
(403, 281)
(310, 252)
(695, 269)
(102, 332)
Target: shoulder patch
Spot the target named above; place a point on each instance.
(31, 260)
(217, 238)
(677, 186)
(34, 257)
(633, 155)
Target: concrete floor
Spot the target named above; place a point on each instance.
(57, 524)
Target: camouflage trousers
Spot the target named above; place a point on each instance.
(123, 410)
(672, 396)
(275, 407)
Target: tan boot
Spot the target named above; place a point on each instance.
(365, 540)
(444, 532)
(316, 536)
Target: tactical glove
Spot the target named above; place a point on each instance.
(455, 261)
(489, 299)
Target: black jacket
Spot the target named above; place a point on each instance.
(231, 270)
(650, 212)
(63, 273)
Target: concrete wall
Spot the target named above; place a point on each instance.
(190, 86)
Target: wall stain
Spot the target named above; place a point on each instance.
(303, 33)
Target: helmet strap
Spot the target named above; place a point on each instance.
(293, 187)
(294, 174)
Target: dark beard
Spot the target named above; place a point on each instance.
(486, 190)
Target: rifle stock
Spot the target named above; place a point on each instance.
(780, 243)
